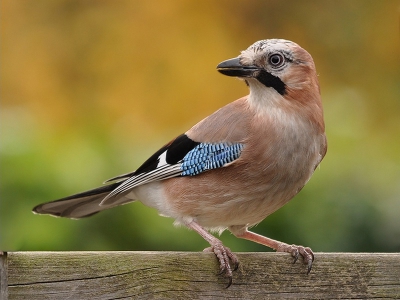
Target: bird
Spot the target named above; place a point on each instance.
(236, 166)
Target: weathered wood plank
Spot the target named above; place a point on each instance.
(183, 275)
(3, 276)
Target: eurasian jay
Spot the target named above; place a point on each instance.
(236, 166)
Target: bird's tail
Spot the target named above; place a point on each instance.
(83, 204)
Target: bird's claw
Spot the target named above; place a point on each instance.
(295, 251)
(225, 257)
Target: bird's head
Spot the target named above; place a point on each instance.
(278, 68)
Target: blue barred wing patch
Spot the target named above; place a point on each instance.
(207, 156)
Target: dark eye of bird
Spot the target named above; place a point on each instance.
(276, 60)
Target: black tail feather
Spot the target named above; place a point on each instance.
(81, 205)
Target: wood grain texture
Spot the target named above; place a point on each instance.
(183, 275)
(3, 276)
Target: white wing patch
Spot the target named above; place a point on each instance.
(162, 159)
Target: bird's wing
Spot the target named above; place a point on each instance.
(180, 157)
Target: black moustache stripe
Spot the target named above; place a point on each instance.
(270, 80)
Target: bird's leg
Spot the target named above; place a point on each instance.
(224, 254)
(294, 250)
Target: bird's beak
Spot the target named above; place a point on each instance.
(233, 67)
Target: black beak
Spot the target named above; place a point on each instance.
(233, 67)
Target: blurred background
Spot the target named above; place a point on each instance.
(90, 89)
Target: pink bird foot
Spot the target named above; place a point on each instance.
(295, 251)
(225, 257)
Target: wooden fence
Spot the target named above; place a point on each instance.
(190, 275)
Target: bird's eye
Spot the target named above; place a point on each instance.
(276, 60)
